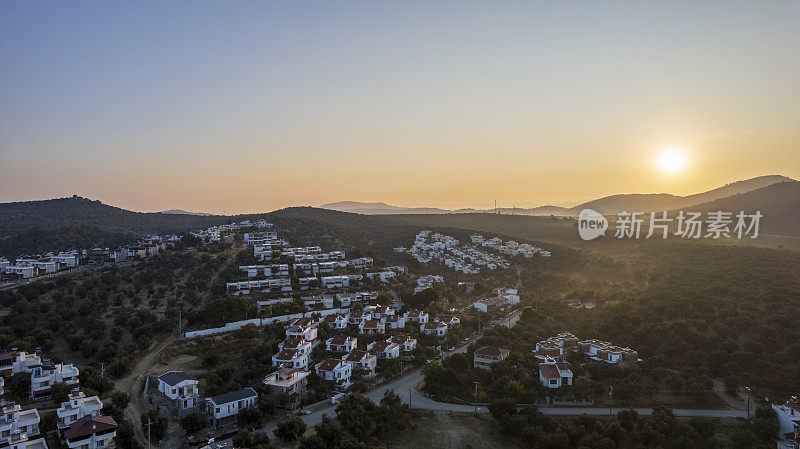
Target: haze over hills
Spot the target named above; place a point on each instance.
(607, 205)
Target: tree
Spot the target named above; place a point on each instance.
(329, 431)
(502, 407)
(158, 423)
(766, 422)
(290, 429)
(358, 415)
(194, 422)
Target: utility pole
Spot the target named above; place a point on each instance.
(610, 399)
(102, 372)
(476, 398)
(179, 322)
(748, 402)
(409, 398)
(148, 433)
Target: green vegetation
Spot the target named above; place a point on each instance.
(530, 428)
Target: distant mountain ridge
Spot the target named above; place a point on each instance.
(183, 212)
(613, 204)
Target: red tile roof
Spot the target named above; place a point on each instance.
(549, 371)
(90, 425)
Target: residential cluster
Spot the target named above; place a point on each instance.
(79, 421)
(35, 265)
(215, 233)
(468, 259)
(510, 247)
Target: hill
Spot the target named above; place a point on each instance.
(663, 201)
(779, 203)
(62, 212)
(644, 202)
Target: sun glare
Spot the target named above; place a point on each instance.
(672, 161)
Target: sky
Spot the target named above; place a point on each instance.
(233, 107)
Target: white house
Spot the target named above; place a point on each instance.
(394, 321)
(356, 317)
(91, 432)
(416, 316)
(384, 349)
(789, 418)
(341, 343)
(230, 404)
(77, 407)
(180, 389)
(407, 344)
(290, 358)
(379, 312)
(363, 362)
(297, 343)
(307, 333)
(438, 329)
(555, 374)
(336, 371)
(335, 321)
(45, 376)
(371, 327)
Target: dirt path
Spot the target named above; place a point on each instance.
(133, 383)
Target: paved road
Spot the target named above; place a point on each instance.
(406, 388)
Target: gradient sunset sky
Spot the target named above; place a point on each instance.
(252, 106)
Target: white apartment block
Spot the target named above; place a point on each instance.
(77, 407)
(371, 327)
(45, 376)
(407, 344)
(341, 343)
(17, 424)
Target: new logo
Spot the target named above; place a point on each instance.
(591, 224)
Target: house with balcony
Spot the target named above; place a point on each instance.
(438, 329)
(290, 358)
(335, 370)
(77, 407)
(356, 317)
(416, 316)
(288, 383)
(371, 327)
(341, 343)
(181, 391)
(363, 362)
(17, 424)
(385, 350)
(91, 432)
(380, 312)
(487, 356)
(228, 405)
(296, 343)
(306, 332)
(15, 362)
(394, 321)
(554, 374)
(335, 321)
(407, 344)
(48, 374)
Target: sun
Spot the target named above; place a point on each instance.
(672, 161)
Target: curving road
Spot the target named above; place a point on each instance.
(406, 388)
